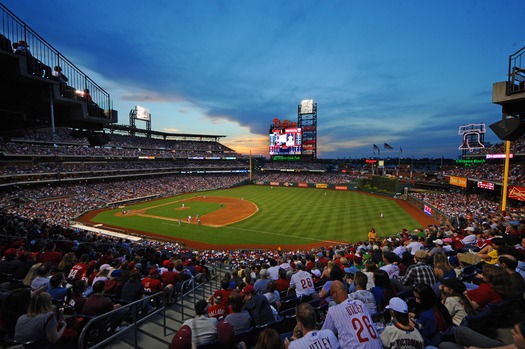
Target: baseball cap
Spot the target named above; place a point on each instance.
(104, 267)
(438, 241)
(351, 270)
(421, 254)
(152, 271)
(182, 338)
(455, 284)
(470, 229)
(248, 289)
(316, 272)
(116, 273)
(397, 304)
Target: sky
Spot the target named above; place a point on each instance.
(407, 73)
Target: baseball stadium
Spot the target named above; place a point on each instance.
(121, 236)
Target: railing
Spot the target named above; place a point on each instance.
(102, 329)
(516, 73)
(105, 326)
(16, 30)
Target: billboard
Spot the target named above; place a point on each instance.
(286, 141)
(142, 113)
(458, 181)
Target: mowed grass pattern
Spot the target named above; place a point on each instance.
(287, 216)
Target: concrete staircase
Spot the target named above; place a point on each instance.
(159, 330)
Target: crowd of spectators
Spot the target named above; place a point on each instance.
(415, 274)
(490, 172)
(59, 204)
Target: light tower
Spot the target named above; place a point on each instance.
(307, 121)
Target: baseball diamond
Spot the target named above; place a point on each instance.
(262, 217)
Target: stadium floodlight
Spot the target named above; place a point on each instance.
(142, 113)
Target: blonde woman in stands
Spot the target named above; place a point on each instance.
(31, 274)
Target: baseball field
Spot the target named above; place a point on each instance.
(263, 217)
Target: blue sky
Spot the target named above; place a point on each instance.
(407, 73)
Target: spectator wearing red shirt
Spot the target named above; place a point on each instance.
(152, 283)
(283, 283)
(491, 290)
(50, 255)
(79, 270)
(170, 277)
(223, 293)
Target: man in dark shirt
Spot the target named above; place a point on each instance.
(97, 303)
(257, 305)
(133, 289)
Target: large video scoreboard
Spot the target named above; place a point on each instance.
(286, 141)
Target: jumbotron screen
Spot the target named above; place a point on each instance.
(286, 141)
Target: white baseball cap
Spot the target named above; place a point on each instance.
(397, 304)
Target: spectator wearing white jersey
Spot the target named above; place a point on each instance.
(350, 320)
(306, 323)
(302, 281)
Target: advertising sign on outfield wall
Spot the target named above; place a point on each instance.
(516, 193)
(341, 187)
(321, 185)
(458, 181)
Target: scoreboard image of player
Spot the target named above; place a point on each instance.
(286, 141)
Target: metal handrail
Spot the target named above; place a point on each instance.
(131, 307)
(15, 30)
(516, 72)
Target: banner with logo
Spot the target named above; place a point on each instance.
(516, 193)
(458, 181)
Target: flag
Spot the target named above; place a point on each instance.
(387, 146)
(400, 150)
(376, 147)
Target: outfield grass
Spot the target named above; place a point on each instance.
(286, 216)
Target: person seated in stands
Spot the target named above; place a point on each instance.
(261, 284)
(171, 277)
(97, 303)
(34, 65)
(273, 295)
(203, 328)
(87, 96)
(353, 312)
(257, 305)
(420, 272)
(75, 298)
(468, 338)
(509, 263)
(133, 290)
(79, 270)
(223, 293)
(39, 325)
(302, 281)
(431, 317)
(283, 282)
(10, 262)
(401, 330)
(362, 294)
(493, 289)
(312, 338)
(114, 285)
(57, 288)
(50, 255)
(42, 279)
(152, 283)
(58, 75)
(453, 297)
(240, 319)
